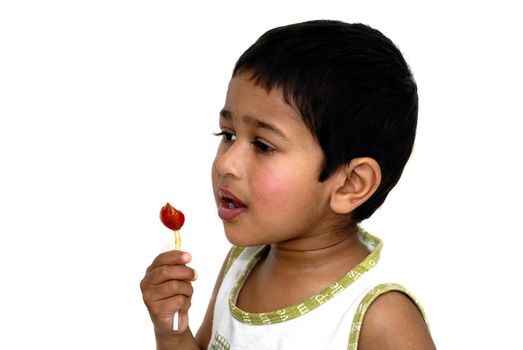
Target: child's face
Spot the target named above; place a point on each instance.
(265, 174)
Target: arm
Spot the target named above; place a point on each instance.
(166, 288)
(393, 322)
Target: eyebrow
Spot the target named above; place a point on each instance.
(227, 115)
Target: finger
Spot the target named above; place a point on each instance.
(167, 290)
(182, 318)
(168, 272)
(172, 257)
(162, 312)
(180, 303)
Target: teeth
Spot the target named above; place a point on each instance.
(231, 205)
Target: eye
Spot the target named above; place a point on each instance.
(226, 136)
(262, 147)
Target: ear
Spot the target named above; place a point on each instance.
(356, 182)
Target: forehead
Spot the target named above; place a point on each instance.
(245, 98)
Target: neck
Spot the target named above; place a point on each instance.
(317, 253)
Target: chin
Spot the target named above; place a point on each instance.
(240, 239)
(234, 240)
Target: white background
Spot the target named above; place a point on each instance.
(107, 110)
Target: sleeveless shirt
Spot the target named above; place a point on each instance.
(330, 319)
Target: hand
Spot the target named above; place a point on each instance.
(166, 289)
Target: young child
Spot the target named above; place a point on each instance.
(318, 124)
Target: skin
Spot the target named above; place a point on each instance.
(394, 322)
(269, 161)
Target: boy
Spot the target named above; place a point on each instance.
(318, 124)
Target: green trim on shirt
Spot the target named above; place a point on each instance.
(233, 255)
(367, 301)
(374, 245)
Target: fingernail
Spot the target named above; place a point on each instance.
(186, 257)
(195, 276)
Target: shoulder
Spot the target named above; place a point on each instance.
(394, 321)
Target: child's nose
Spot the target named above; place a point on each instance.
(231, 161)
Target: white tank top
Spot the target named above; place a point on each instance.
(330, 319)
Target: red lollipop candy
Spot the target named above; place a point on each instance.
(174, 220)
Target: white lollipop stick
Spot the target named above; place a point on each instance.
(177, 245)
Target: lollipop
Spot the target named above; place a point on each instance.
(174, 220)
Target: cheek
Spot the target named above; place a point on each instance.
(286, 191)
(272, 189)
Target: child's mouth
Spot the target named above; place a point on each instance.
(230, 207)
(230, 203)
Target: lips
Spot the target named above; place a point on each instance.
(230, 206)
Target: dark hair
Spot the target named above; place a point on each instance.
(353, 89)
